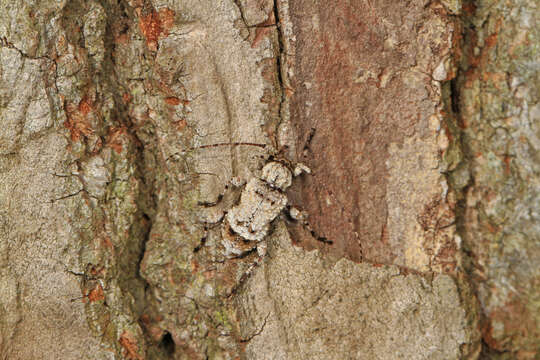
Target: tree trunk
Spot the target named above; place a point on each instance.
(269, 179)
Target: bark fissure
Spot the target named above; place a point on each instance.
(280, 68)
(258, 332)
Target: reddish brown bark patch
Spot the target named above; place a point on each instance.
(85, 106)
(155, 25)
(131, 349)
(77, 119)
(116, 138)
(348, 105)
(263, 29)
(517, 322)
(174, 101)
(96, 294)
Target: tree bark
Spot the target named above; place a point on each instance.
(269, 179)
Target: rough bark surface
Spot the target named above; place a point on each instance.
(497, 111)
(367, 94)
(137, 222)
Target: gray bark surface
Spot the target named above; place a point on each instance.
(269, 179)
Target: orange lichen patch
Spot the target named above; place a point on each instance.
(447, 131)
(106, 241)
(471, 76)
(507, 160)
(85, 106)
(469, 8)
(480, 61)
(96, 294)
(491, 40)
(77, 122)
(173, 101)
(115, 138)
(61, 42)
(180, 124)
(457, 45)
(289, 92)
(150, 27)
(126, 98)
(496, 78)
(493, 229)
(121, 39)
(156, 25)
(129, 344)
(194, 266)
(77, 127)
(145, 319)
(166, 16)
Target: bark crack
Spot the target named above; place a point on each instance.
(242, 16)
(279, 63)
(258, 332)
(4, 42)
(68, 196)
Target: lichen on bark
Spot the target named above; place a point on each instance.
(495, 100)
(134, 132)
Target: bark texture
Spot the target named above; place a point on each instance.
(137, 222)
(497, 109)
